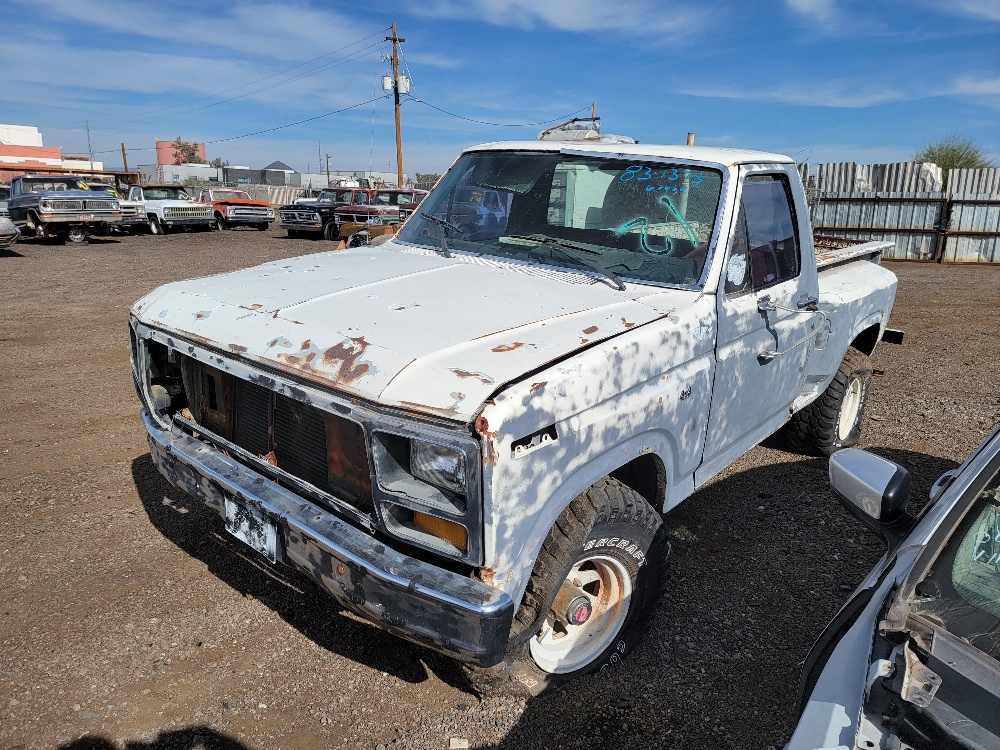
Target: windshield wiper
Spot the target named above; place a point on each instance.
(444, 237)
(570, 249)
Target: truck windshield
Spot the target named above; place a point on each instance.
(643, 221)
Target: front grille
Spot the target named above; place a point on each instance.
(99, 205)
(355, 218)
(299, 217)
(194, 212)
(65, 205)
(325, 450)
(251, 211)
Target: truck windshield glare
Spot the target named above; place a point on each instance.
(648, 222)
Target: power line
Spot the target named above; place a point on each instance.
(499, 124)
(127, 120)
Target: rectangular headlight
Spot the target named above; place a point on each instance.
(439, 465)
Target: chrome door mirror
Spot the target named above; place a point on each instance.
(874, 490)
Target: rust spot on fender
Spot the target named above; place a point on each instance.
(591, 330)
(350, 369)
(538, 386)
(482, 427)
(626, 323)
(508, 347)
(661, 399)
(488, 576)
(237, 348)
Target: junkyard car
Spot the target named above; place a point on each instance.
(912, 661)
(387, 206)
(60, 206)
(171, 207)
(133, 213)
(8, 232)
(317, 218)
(234, 208)
(469, 440)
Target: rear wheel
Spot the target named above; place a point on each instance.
(833, 421)
(599, 572)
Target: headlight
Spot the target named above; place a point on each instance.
(230, 211)
(115, 207)
(441, 466)
(45, 206)
(168, 212)
(428, 493)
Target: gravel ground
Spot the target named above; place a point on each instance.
(130, 620)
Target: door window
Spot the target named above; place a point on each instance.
(765, 248)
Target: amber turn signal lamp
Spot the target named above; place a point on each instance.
(452, 533)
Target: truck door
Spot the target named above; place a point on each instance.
(765, 296)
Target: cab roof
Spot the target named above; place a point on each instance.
(726, 157)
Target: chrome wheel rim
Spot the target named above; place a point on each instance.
(850, 410)
(562, 646)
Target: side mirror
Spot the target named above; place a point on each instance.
(874, 490)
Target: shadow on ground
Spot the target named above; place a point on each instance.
(190, 738)
(200, 532)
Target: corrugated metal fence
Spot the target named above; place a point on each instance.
(903, 203)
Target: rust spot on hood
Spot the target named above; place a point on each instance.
(306, 344)
(626, 323)
(237, 348)
(350, 369)
(256, 306)
(508, 347)
(592, 329)
(538, 386)
(480, 376)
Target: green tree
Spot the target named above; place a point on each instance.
(186, 153)
(218, 163)
(427, 178)
(954, 151)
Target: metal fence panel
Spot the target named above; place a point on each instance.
(982, 183)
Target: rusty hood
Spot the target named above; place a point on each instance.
(420, 332)
(240, 202)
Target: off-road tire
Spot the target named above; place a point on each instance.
(331, 231)
(833, 421)
(609, 525)
(155, 227)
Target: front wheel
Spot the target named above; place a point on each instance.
(331, 231)
(833, 421)
(598, 575)
(221, 224)
(77, 235)
(155, 227)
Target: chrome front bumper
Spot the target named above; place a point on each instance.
(448, 612)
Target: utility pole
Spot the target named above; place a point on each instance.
(328, 170)
(90, 149)
(319, 157)
(124, 158)
(395, 92)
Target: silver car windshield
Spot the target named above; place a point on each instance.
(643, 221)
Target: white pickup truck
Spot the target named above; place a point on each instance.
(171, 207)
(469, 434)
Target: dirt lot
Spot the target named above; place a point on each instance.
(130, 620)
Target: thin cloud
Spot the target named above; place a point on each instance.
(842, 96)
(989, 9)
(819, 10)
(642, 17)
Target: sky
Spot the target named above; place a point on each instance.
(259, 81)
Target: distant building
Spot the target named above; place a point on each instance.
(165, 151)
(179, 173)
(21, 146)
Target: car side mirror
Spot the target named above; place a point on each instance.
(874, 490)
